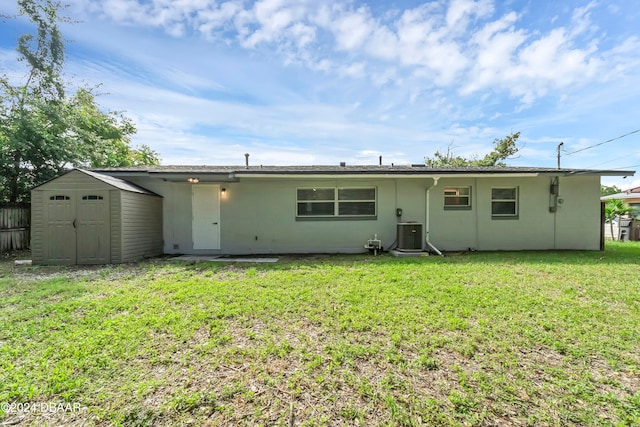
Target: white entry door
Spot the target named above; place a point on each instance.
(205, 207)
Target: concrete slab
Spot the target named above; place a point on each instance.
(402, 254)
(22, 262)
(196, 257)
(221, 258)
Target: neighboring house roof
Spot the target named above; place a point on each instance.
(232, 171)
(632, 193)
(109, 180)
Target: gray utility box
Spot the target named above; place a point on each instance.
(409, 236)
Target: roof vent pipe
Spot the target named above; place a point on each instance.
(380, 161)
(246, 160)
(343, 164)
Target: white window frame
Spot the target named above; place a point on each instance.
(457, 189)
(336, 203)
(514, 200)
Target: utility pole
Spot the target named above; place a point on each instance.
(559, 146)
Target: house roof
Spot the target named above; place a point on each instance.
(631, 193)
(232, 171)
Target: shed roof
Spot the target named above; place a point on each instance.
(117, 182)
(112, 181)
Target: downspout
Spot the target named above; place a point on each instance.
(426, 217)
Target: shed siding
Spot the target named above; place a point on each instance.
(37, 227)
(116, 226)
(74, 180)
(141, 223)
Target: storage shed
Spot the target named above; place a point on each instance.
(84, 217)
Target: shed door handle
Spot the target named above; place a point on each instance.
(214, 223)
(74, 223)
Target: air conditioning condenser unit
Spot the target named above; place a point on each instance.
(409, 236)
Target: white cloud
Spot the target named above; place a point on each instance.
(214, 19)
(449, 70)
(425, 43)
(581, 20)
(272, 19)
(355, 70)
(459, 44)
(383, 77)
(496, 43)
(460, 11)
(303, 34)
(383, 44)
(352, 29)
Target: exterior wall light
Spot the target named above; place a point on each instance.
(193, 180)
(223, 191)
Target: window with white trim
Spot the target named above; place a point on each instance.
(504, 202)
(340, 202)
(457, 198)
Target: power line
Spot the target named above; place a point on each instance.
(604, 142)
(627, 167)
(613, 160)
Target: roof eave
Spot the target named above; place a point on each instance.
(333, 175)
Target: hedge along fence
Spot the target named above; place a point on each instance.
(15, 219)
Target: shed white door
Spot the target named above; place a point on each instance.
(93, 228)
(205, 207)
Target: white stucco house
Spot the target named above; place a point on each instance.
(324, 209)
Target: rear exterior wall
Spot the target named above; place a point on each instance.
(258, 216)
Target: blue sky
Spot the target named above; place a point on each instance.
(318, 82)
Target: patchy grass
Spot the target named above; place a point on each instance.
(529, 338)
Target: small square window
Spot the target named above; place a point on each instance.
(457, 198)
(504, 202)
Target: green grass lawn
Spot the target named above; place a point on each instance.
(529, 338)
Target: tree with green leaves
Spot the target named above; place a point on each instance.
(31, 113)
(607, 190)
(104, 140)
(615, 209)
(42, 130)
(504, 149)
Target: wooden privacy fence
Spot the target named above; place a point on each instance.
(14, 226)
